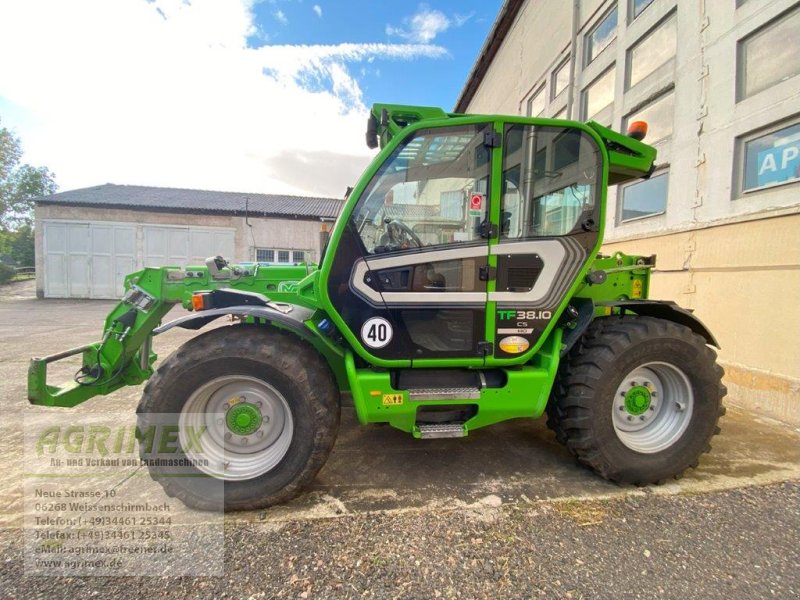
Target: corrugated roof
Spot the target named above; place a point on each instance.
(413, 212)
(136, 197)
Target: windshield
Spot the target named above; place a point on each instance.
(432, 190)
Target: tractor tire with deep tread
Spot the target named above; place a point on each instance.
(592, 380)
(276, 360)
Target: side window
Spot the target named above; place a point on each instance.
(550, 181)
(433, 190)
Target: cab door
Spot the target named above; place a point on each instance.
(548, 219)
(409, 278)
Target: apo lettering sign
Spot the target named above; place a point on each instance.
(779, 164)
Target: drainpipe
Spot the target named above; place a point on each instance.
(573, 46)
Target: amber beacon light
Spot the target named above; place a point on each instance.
(637, 130)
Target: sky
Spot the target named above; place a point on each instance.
(267, 96)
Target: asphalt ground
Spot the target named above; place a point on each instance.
(742, 543)
(502, 513)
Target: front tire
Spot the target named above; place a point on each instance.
(638, 399)
(267, 405)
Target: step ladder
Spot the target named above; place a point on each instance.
(452, 393)
(441, 430)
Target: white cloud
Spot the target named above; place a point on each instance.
(168, 93)
(280, 17)
(317, 9)
(461, 20)
(422, 27)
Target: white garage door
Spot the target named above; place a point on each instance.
(180, 246)
(90, 260)
(87, 260)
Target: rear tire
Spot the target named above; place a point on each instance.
(638, 399)
(286, 401)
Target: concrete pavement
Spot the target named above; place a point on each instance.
(377, 467)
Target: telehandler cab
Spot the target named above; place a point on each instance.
(462, 286)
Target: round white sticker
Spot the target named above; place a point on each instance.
(376, 332)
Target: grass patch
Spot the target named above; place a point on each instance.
(582, 512)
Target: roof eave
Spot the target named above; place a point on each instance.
(187, 210)
(494, 40)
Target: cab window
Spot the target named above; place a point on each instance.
(550, 181)
(432, 191)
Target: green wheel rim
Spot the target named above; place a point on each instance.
(637, 400)
(247, 427)
(652, 407)
(244, 419)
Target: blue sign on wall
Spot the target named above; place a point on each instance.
(778, 164)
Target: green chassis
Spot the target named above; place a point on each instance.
(295, 298)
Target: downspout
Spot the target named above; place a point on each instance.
(573, 46)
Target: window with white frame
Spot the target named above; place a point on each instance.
(656, 48)
(272, 255)
(599, 94)
(645, 198)
(658, 115)
(560, 79)
(599, 38)
(769, 157)
(536, 103)
(769, 55)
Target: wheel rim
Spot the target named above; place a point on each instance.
(246, 423)
(652, 407)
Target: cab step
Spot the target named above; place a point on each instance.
(451, 393)
(441, 430)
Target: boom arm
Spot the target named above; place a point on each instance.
(124, 355)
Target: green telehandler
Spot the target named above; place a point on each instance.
(461, 286)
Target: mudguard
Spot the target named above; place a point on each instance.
(292, 320)
(667, 310)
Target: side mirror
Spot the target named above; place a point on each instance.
(372, 132)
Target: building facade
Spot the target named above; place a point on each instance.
(719, 84)
(87, 240)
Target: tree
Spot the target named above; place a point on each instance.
(19, 184)
(17, 247)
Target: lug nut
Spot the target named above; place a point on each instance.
(228, 435)
(630, 418)
(621, 407)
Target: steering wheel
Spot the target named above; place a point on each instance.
(393, 240)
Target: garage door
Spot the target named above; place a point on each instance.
(180, 246)
(87, 260)
(90, 260)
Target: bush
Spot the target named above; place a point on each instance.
(6, 273)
